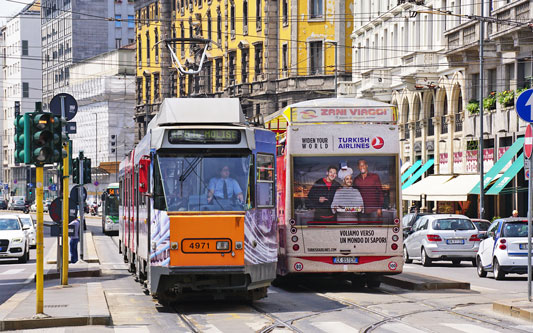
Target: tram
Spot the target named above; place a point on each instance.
(338, 189)
(110, 200)
(197, 203)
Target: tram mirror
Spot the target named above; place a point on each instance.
(144, 165)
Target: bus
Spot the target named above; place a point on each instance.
(197, 203)
(338, 200)
(110, 199)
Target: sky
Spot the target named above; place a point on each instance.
(9, 8)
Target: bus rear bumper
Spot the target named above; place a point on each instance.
(386, 265)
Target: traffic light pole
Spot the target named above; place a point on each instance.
(39, 273)
(81, 203)
(65, 256)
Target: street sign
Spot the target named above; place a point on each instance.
(52, 187)
(70, 104)
(528, 141)
(6, 187)
(30, 185)
(56, 212)
(74, 194)
(524, 105)
(71, 127)
(14, 181)
(96, 183)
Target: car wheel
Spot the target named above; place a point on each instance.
(480, 271)
(498, 273)
(406, 256)
(426, 261)
(474, 262)
(24, 258)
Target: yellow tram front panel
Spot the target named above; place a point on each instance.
(196, 237)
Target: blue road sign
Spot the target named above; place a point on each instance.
(30, 185)
(52, 187)
(524, 105)
(6, 187)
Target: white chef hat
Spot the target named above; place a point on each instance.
(345, 172)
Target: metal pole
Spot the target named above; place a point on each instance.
(530, 189)
(65, 256)
(481, 183)
(39, 273)
(96, 161)
(81, 204)
(335, 69)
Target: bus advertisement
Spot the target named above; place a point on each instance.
(338, 189)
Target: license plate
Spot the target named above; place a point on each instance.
(523, 246)
(2, 249)
(202, 245)
(345, 260)
(455, 241)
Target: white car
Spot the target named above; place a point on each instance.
(27, 221)
(13, 239)
(503, 248)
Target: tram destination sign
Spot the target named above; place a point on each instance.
(204, 136)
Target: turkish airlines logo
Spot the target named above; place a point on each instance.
(378, 142)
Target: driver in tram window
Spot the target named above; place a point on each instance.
(224, 187)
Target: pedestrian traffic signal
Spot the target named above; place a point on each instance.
(39, 138)
(86, 170)
(19, 139)
(76, 170)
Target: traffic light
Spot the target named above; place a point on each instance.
(76, 170)
(19, 139)
(113, 143)
(59, 137)
(39, 145)
(86, 170)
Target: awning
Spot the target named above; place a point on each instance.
(430, 186)
(457, 189)
(418, 174)
(499, 165)
(404, 167)
(507, 176)
(410, 171)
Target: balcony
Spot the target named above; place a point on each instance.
(378, 81)
(418, 63)
(517, 12)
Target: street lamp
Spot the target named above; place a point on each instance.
(334, 44)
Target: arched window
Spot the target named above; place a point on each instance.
(405, 119)
(457, 116)
(417, 110)
(443, 123)
(431, 114)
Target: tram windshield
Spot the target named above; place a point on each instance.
(200, 183)
(111, 205)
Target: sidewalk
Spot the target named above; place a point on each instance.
(520, 308)
(82, 302)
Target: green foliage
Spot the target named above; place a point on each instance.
(472, 145)
(473, 107)
(489, 102)
(506, 97)
(494, 218)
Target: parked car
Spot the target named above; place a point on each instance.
(503, 248)
(46, 206)
(409, 220)
(13, 239)
(482, 225)
(17, 203)
(3, 204)
(442, 237)
(27, 221)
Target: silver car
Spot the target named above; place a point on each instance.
(442, 237)
(28, 222)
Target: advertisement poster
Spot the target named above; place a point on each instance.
(344, 190)
(488, 158)
(458, 162)
(443, 162)
(471, 161)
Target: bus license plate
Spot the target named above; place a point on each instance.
(455, 241)
(345, 260)
(523, 246)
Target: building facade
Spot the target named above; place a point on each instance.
(21, 71)
(425, 60)
(267, 53)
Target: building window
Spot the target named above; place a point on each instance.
(139, 50)
(156, 86)
(285, 59)
(475, 86)
(232, 64)
(208, 77)
(431, 128)
(258, 50)
(218, 73)
(316, 9)
(182, 32)
(147, 89)
(156, 41)
(219, 28)
(118, 20)
(232, 20)
(244, 64)
(118, 43)
(131, 21)
(24, 47)
(315, 58)
(209, 28)
(285, 11)
(174, 84)
(25, 89)
(147, 48)
(258, 11)
(190, 27)
(245, 17)
(443, 121)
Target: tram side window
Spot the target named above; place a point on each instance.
(265, 180)
(159, 194)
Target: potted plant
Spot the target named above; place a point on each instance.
(489, 102)
(506, 98)
(473, 107)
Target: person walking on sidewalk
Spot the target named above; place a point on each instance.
(74, 233)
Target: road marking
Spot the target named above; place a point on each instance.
(28, 280)
(400, 328)
(127, 329)
(470, 328)
(211, 329)
(12, 271)
(481, 289)
(334, 327)
(126, 294)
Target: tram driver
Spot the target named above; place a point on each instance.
(224, 187)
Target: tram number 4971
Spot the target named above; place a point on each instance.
(199, 245)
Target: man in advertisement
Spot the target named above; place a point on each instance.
(321, 195)
(371, 190)
(347, 202)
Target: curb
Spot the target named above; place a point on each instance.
(412, 281)
(515, 308)
(89, 272)
(20, 324)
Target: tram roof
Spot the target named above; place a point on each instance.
(175, 111)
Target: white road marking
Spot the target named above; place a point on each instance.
(270, 291)
(12, 271)
(527, 328)
(133, 329)
(28, 280)
(126, 294)
(334, 327)
(211, 329)
(400, 328)
(481, 289)
(470, 328)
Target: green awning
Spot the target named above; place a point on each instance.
(412, 169)
(507, 176)
(418, 174)
(499, 165)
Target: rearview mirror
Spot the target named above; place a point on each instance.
(483, 236)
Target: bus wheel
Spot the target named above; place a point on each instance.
(373, 282)
(358, 281)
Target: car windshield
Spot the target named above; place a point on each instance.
(482, 226)
(453, 224)
(514, 229)
(9, 224)
(26, 221)
(205, 183)
(111, 205)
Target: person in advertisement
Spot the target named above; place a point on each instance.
(347, 202)
(369, 185)
(322, 193)
(224, 187)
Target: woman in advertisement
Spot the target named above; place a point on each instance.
(347, 202)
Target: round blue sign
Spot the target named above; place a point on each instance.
(96, 183)
(524, 105)
(64, 102)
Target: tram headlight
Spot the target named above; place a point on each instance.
(222, 245)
